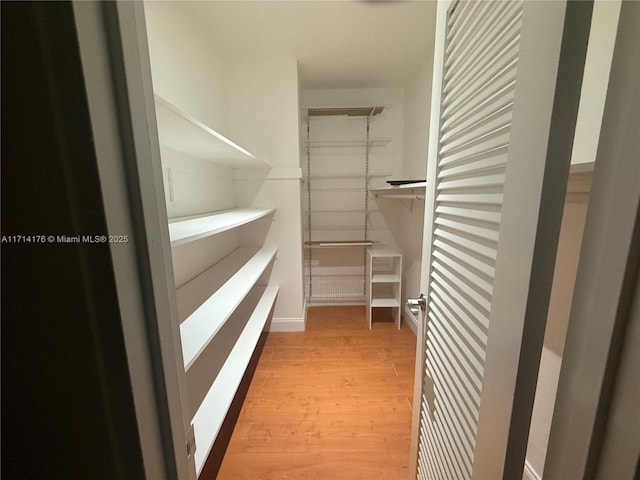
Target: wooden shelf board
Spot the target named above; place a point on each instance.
(202, 325)
(213, 410)
(190, 229)
(385, 278)
(384, 302)
(181, 132)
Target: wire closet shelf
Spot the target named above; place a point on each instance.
(322, 288)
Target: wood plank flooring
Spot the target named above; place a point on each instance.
(330, 403)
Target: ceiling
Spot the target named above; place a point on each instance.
(338, 44)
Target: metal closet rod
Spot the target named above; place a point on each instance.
(414, 196)
(345, 111)
(339, 243)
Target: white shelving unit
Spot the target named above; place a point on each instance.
(209, 417)
(224, 310)
(220, 323)
(337, 213)
(201, 326)
(183, 230)
(384, 282)
(183, 133)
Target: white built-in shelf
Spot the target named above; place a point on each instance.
(385, 302)
(201, 326)
(183, 133)
(385, 278)
(410, 190)
(213, 409)
(183, 230)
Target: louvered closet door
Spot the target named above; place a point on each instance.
(494, 79)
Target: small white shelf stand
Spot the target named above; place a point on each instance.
(183, 133)
(188, 229)
(385, 282)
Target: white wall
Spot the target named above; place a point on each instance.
(263, 117)
(417, 111)
(604, 25)
(194, 186)
(187, 68)
(409, 216)
(388, 125)
(255, 103)
(262, 107)
(281, 189)
(564, 277)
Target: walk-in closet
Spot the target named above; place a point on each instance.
(294, 166)
(362, 239)
(336, 240)
(275, 176)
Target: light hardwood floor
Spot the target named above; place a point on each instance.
(330, 403)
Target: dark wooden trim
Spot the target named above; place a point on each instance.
(67, 401)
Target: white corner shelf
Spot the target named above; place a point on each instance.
(415, 191)
(184, 230)
(183, 133)
(201, 326)
(213, 409)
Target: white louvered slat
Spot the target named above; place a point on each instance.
(493, 121)
(445, 384)
(501, 80)
(478, 108)
(489, 160)
(477, 98)
(445, 469)
(479, 318)
(475, 198)
(476, 289)
(449, 402)
(460, 21)
(471, 336)
(466, 242)
(453, 458)
(492, 38)
(492, 142)
(463, 390)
